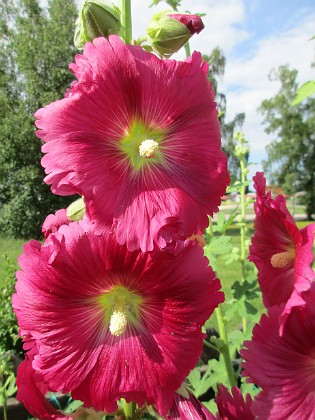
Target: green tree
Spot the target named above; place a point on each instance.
(216, 61)
(291, 155)
(36, 46)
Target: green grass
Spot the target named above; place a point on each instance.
(293, 207)
(11, 248)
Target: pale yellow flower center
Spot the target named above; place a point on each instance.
(148, 148)
(283, 259)
(118, 321)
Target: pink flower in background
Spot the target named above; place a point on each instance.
(284, 366)
(53, 222)
(233, 406)
(110, 323)
(139, 138)
(32, 388)
(281, 252)
(187, 407)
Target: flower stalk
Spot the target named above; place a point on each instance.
(126, 20)
(242, 153)
(224, 347)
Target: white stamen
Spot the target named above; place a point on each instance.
(148, 148)
(118, 322)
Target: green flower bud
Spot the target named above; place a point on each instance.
(76, 210)
(96, 18)
(169, 31)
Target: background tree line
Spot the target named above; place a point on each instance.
(35, 49)
(291, 154)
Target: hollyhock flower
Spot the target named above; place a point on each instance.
(187, 407)
(283, 366)
(233, 407)
(53, 222)
(139, 138)
(281, 252)
(110, 323)
(32, 388)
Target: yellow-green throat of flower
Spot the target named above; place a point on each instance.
(121, 307)
(142, 146)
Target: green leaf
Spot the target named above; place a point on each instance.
(219, 245)
(235, 339)
(10, 385)
(249, 388)
(250, 309)
(211, 406)
(304, 92)
(73, 405)
(220, 222)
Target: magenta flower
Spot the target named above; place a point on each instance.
(281, 252)
(186, 406)
(53, 222)
(233, 406)
(139, 138)
(110, 323)
(32, 388)
(283, 366)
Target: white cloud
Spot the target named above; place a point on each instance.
(246, 81)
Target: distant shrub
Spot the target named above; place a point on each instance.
(9, 339)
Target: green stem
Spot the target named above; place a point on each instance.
(129, 410)
(187, 49)
(243, 226)
(210, 345)
(126, 20)
(225, 351)
(5, 406)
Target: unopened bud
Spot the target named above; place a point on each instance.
(169, 31)
(97, 18)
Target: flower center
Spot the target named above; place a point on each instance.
(120, 307)
(142, 145)
(283, 259)
(148, 148)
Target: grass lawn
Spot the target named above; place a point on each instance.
(12, 248)
(294, 208)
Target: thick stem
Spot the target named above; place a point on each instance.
(126, 20)
(225, 351)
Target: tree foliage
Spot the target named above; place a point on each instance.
(36, 46)
(216, 61)
(291, 155)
